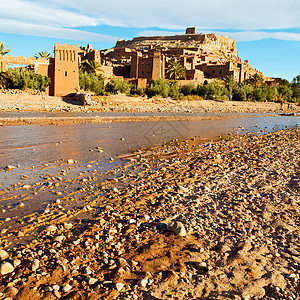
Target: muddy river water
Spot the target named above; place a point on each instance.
(35, 144)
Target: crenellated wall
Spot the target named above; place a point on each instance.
(21, 60)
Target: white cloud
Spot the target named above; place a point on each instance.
(43, 14)
(242, 36)
(213, 14)
(55, 18)
(19, 27)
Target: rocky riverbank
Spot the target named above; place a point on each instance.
(215, 220)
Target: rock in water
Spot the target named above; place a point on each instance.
(6, 268)
(177, 227)
(9, 168)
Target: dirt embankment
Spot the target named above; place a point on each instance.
(122, 103)
(218, 220)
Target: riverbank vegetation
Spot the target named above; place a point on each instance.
(252, 89)
(20, 78)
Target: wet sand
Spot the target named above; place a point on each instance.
(86, 120)
(236, 236)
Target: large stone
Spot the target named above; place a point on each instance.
(83, 99)
(177, 228)
(6, 268)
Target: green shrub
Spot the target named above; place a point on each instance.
(135, 91)
(285, 92)
(189, 89)
(159, 87)
(272, 94)
(164, 88)
(27, 79)
(116, 85)
(212, 91)
(91, 82)
(239, 93)
(174, 91)
(5, 79)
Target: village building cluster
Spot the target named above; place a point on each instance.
(203, 56)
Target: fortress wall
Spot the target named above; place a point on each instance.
(66, 78)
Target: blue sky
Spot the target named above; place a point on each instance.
(267, 31)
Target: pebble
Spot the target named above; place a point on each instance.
(3, 254)
(35, 265)
(143, 282)
(50, 228)
(11, 291)
(57, 294)
(119, 286)
(6, 268)
(16, 262)
(59, 238)
(68, 226)
(92, 281)
(9, 168)
(66, 288)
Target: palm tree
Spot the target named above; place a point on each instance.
(43, 54)
(296, 80)
(229, 82)
(4, 49)
(175, 70)
(256, 80)
(296, 87)
(4, 79)
(94, 66)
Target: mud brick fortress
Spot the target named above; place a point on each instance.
(62, 69)
(203, 56)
